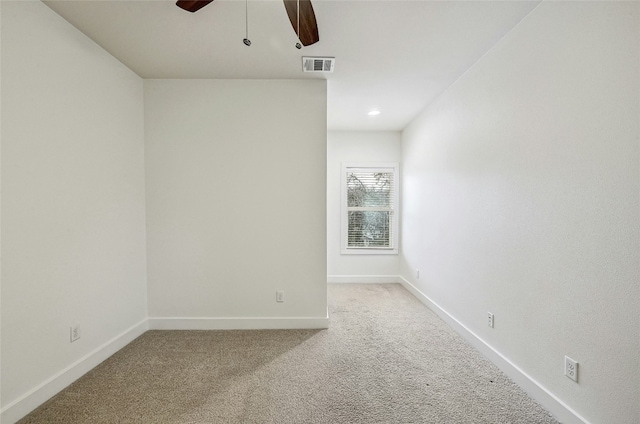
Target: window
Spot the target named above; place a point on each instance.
(370, 208)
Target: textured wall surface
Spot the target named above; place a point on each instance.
(73, 215)
(521, 197)
(236, 192)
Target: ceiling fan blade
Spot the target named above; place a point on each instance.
(308, 25)
(192, 5)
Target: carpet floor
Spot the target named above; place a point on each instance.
(386, 358)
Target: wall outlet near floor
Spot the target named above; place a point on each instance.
(571, 368)
(490, 319)
(417, 273)
(74, 333)
(279, 296)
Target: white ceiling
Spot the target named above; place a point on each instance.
(396, 56)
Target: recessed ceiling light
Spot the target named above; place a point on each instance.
(374, 113)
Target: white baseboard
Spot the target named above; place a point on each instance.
(49, 388)
(284, 323)
(34, 398)
(544, 397)
(363, 279)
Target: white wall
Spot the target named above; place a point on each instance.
(236, 189)
(521, 197)
(356, 146)
(73, 215)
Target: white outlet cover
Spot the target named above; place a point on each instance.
(74, 333)
(571, 368)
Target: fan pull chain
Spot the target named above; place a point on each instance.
(246, 40)
(298, 45)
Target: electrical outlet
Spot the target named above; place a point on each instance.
(74, 333)
(417, 273)
(279, 296)
(490, 319)
(571, 368)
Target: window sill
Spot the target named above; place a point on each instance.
(369, 251)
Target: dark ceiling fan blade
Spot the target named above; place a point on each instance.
(308, 25)
(192, 5)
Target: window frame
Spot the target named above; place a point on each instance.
(346, 167)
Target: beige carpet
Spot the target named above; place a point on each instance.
(385, 359)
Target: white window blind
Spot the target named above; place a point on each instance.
(371, 200)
